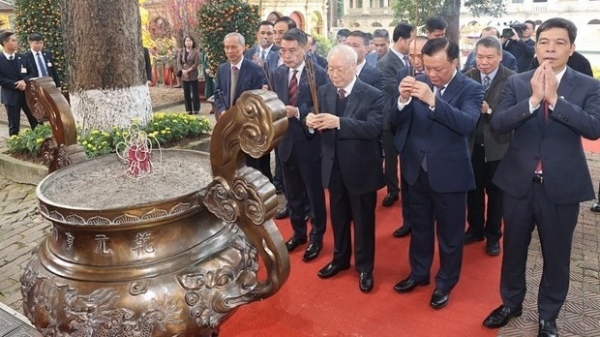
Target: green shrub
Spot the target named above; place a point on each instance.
(162, 129)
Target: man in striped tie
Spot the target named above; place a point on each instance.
(41, 59)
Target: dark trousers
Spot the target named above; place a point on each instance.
(278, 177)
(479, 223)
(555, 224)
(263, 164)
(191, 96)
(303, 181)
(448, 210)
(390, 164)
(13, 113)
(405, 208)
(360, 209)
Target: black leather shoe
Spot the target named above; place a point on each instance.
(365, 282)
(547, 329)
(492, 248)
(595, 207)
(470, 238)
(282, 214)
(312, 251)
(330, 270)
(390, 199)
(408, 285)
(293, 243)
(501, 315)
(402, 231)
(439, 299)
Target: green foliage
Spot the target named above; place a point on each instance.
(29, 141)
(408, 10)
(323, 44)
(163, 129)
(44, 17)
(218, 18)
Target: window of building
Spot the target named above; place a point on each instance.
(359, 4)
(540, 1)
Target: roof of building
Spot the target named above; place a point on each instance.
(6, 6)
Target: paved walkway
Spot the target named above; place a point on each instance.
(22, 228)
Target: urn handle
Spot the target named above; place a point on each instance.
(243, 195)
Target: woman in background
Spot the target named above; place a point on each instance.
(188, 63)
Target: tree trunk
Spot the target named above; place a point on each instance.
(106, 64)
(453, 19)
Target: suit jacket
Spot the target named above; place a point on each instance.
(372, 59)
(306, 146)
(556, 141)
(440, 137)
(50, 65)
(389, 64)
(372, 76)
(401, 130)
(11, 73)
(522, 51)
(496, 143)
(191, 62)
(356, 143)
(508, 60)
(272, 56)
(251, 77)
(576, 62)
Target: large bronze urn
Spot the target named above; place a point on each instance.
(174, 264)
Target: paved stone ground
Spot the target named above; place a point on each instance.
(21, 230)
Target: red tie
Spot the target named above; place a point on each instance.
(342, 93)
(293, 89)
(538, 167)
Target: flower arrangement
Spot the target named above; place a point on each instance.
(43, 17)
(218, 18)
(163, 129)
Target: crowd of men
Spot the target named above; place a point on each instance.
(499, 140)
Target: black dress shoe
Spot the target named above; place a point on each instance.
(402, 231)
(293, 243)
(470, 238)
(595, 207)
(389, 199)
(492, 248)
(501, 315)
(312, 251)
(547, 329)
(330, 270)
(282, 214)
(408, 285)
(439, 299)
(365, 282)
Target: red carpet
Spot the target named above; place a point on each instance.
(310, 306)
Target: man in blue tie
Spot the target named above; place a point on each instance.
(14, 71)
(41, 60)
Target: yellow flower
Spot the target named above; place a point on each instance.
(90, 146)
(78, 138)
(39, 140)
(174, 121)
(84, 142)
(13, 137)
(105, 134)
(163, 132)
(167, 128)
(95, 132)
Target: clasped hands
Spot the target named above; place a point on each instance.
(322, 121)
(410, 87)
(544, 85)
(20, 85)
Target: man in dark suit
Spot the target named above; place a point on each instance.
(381, 44)
(300, 152)
(487, 148)
(436, 164)
(265, 52)
(14, 71)
(544, 174)
(233, 78)
(312, 52)
(395, 59)
(577, 62)
(522, 47)
(350, 127)
(508, 60)
(41, 60)
(416, 68)
(358, 41)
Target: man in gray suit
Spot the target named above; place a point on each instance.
(395, 59)
(487, 148)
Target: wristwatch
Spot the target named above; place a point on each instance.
(489, 111)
